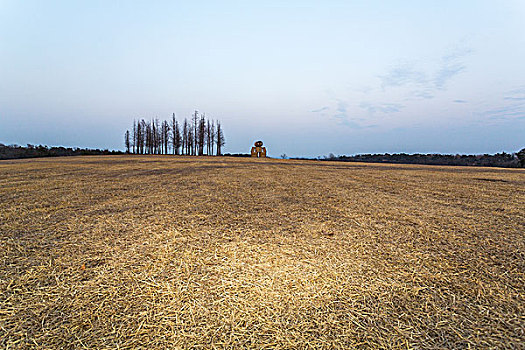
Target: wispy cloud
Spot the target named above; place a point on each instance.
(341, 110)
(351, 124)
(512, 106)
(425, 82)
(343, 117)
(517, 94)
(452, 64)
(341, 106)
(401, 75)
(423, 94)
(513, 111)
(517, 91)
(456, 53)
(420, 80)
(319, 110)
(445, 73)
(374, 108)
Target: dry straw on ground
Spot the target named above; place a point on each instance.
(182, 252)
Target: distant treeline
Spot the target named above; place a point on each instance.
(505, 160)
(32, 151)
(198, 136)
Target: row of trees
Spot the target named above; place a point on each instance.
(506, 160)
(197, 136)
(34, 151)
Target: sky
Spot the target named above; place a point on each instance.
(307, 77)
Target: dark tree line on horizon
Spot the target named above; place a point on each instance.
(503, 159)
(37, 151)
(196, 137)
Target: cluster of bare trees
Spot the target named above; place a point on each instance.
(198, 136)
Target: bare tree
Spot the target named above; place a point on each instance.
(157, 147)
(147, 137)
(175, 135)
(177, 139)
(134, 134)
(195, 141)
(202, 134)
(142, 137)
(165, 136)
(221, 141)
(208, 137)
(139, 137)
(212, 136)
(185, 137)
(198, 136)
(191, 142)
(126, 141)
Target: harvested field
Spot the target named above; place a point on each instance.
(184, 252)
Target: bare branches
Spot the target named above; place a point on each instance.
(198, 136)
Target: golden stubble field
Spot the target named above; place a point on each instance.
(184, 252)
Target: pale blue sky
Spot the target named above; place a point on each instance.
(307, 77)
